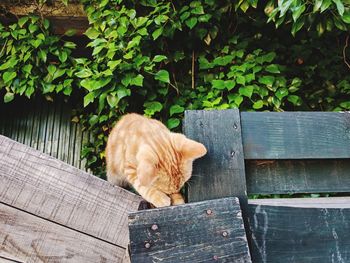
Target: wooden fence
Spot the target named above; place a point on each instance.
(248, 153)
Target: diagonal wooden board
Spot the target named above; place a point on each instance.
(61, 197)
(205, 231)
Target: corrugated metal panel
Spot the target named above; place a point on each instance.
(45, 126)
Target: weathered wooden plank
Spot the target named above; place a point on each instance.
(33, 239)
(39, 184)
(195, 232)
(294, 234)
(220, 173)
(321, 202)
(9, 260)
(296, 135)
(297, 176)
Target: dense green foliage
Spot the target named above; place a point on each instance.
(160, 58)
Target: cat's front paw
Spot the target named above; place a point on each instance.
(161, 201)
(177, 199)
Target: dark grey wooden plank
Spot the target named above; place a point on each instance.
(297, 176)
(220, 173)
(296, 135)
(39, 184)
(195, 232)
(293, 234)
(32, 239)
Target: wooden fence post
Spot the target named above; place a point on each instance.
(220, 173)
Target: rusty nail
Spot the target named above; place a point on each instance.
(154, 227)
(209, 212)
(215, 257)
(147, 245)
(224, 234)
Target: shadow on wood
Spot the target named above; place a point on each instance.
(195, 232)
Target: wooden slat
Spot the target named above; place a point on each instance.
(220, 173)
(297, 176)
(9, 260)
(296, 135)
(294, 234)
(33, 239)
(196, 232)
(39, 184)
(321, 202)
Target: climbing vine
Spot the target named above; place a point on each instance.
(160, 58)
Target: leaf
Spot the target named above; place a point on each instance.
(340, 6)
(152, 107)
(42, 55)
(191, 22)
(9, 96)
(173, 123)
(63, 56)
(163, 76)
(123, 92)
(267, 80)
(9, 64)
(295, 100)
(22, 21)
(346, 16)
(273, 68)
(84, 73)
(137, 81)
(240, 80)
(325, 5)
(159, 58)
(112, 101)
(157, 33)
(246, 91)
(298, 11)
(113, 64)
(8, 76)
(88, 98)
(258, 104)
(218, 84)
(281, 93)
(70, 32)
(317, 5)
(230, 84)
(176, 109)
(92, 33)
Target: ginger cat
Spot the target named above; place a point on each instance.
(156, 162)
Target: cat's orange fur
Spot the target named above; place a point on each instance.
(156, 162)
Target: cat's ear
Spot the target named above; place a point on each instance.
(189, 148)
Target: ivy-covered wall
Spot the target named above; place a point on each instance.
(162, 57)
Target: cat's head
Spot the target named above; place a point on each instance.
(174, 166)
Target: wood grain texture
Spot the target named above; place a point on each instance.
(296, 135)
(187, 233)
(321, 202)
(220, 173)
(293, 234)
(297, 176)
(39, 184)
(45, 126)
(33, 239)
(8, 260)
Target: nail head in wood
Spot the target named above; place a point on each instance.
(224, 234)
(147, 245)
(154, 227)
(209, 212)
(215, 257)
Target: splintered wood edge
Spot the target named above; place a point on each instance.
(322, 202)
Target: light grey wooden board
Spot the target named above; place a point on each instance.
(321, 202)
(299, 234)
(33, 239)
(206, 231)
(298, 176)
(221, 172)
(295, 135)
(44, 186)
